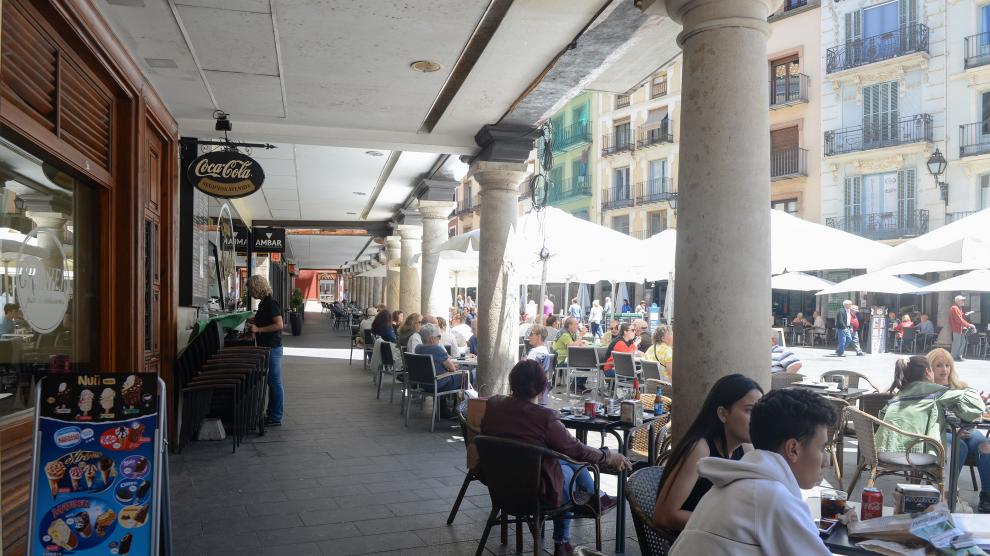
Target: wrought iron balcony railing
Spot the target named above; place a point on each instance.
(789, 90)
(467, 206)
(655, 190)
(788, 163)
(951, 217)
(621, 101)
(617, 196)
(977, 50)
(617, 142)
(570, 188)
(912, 129)
(902, 41)
(883, 225)
(655, 136)
(794, 4)
(565, 138)
(974, 139)
(658, 89)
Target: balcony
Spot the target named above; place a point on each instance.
(788, 91)
(617, 142)
(885, 225)
(788, 163)
(951, 217)
(616, 197)
(566, 138)
(912, 129)
(649, 137)
(658, 89)
(974, 139)
(466, 206)
(655, 190)
(977, 50)
(569, 189)
(794, 4)
(907, 39)
(621, 101)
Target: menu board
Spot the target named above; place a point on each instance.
(97, 465)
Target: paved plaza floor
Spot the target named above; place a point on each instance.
(343, 476)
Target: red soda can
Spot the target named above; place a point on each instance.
(872, 504)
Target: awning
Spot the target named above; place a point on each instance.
(656, 118)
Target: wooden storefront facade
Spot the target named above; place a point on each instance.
(72, 96)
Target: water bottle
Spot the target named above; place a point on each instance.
(657, 403)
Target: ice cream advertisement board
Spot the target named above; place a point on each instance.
(97, 465)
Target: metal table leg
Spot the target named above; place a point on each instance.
(953, 473)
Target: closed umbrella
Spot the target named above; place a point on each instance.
(584, 298)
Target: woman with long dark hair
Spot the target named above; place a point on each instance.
(720, 430)
(382, 326)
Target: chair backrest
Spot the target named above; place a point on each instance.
(783, 380)
(386, 354)
(910, 333)
(419, 368)
(840, 406)
(641, 492)
(369, 338)
(651, 369)
(582, 357)
(865, 426)
(624, 366)
(602, 352)
(470, 412)
(852, 379)
(872, 403)
(513, 471)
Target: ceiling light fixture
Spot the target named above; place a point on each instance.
(360, 193)
(352, 213)
(373, 153)
(424, 66)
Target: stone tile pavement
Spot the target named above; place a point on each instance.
(342, 476)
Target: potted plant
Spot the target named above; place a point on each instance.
(296, 303)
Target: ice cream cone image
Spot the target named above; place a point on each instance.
(54, 470)
(90, 474)
(107, 470)
(75, 474)
(84, 525)
(131, 390)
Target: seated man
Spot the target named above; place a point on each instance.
(441, 360)
(472, 342)
(925, 326)
(568, 337)
(459, 327)
(643, 331)
(789, 430)
(782, 360)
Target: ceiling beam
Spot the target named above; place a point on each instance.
(393, 159)
(372, 228)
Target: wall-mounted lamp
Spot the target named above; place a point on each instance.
(936, 167)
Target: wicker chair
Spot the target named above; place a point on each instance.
(641, 492)
(911, 465)
(639, 442)
(874, 402)
(783, 380)
(836, 436)
(852, 378)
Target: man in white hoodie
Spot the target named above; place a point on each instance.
(755, 506)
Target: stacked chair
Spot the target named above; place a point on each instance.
(226, 382)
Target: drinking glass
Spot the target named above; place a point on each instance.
(833, 503)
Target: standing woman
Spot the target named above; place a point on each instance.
(595, 317)
(267, 329)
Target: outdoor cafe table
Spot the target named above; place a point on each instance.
(622, 432)
(847, 394)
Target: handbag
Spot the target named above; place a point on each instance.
(969, 331)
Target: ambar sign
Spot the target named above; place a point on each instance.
(268, 240)
(227, 174)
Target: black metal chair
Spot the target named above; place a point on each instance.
(369, 347)
(513, 472)
(421, 380)
(468, 433)
(641, 492)
(909, 336)
(582, 362)
(355, 329)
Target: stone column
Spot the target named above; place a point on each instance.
(358, 282)
(498, 282)
(409, 281)
(394, 244)
(373, 287)
(724, 172)
(435, 276)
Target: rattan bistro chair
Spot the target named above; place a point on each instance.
(872, 403)
(852, 378)
(639, 441)
(641, 492)
(911, 465)
(836, 436)
(783, 380)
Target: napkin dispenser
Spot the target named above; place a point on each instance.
(840, 381)
(631, 412)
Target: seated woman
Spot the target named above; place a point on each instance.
(970, 441)
(398, 317)
(520, 417)
(382, 326)
(720, 430)
(626, 342)
(662, 350)
(409, 327)
(799, 320)
(905, 322)
(919, 406)
(441, 360)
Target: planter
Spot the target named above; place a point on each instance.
(295, 322)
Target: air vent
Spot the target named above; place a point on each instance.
(161, 63)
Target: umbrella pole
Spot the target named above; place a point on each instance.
(543, 292)
(566, 301)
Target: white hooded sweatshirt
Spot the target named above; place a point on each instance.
(754, 507)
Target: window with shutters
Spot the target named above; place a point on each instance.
(907, 199)
(621, 223)
(878, 32)
(983, 193)
(853, 203)
(657, 221)
(880, 114)
(622, 134)
(785, 84)
(985, 113)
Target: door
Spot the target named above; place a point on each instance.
(620, 184)
(880, 115)
(854, 204)
(658, 177)
(657, 222)
(785, 85)
(622, 137)
(784, 145)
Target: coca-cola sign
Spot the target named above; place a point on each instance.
(227, 174)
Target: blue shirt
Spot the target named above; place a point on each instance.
(627, 308)
(926, 327)
(439, 355)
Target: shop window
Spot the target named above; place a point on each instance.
(49, 260)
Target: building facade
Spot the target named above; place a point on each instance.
(572, 175)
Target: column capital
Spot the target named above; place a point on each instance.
(498, 175)
(697, 16)
(409, 216)
(435, 210)
(410, 231)
(394, 244)
(505, 143)
(438, 190)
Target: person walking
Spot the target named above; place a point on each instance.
(595, 317)
(959, 326)
(267, 330)
(854, 329)
(843, 328)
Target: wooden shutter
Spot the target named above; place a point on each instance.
(782, 139)
(853, 196)
(906, 197)
(854, 27)
(985, 116)
(907, 12)
(15, 474)
(984, 192)
(29, 72)
(85, 118)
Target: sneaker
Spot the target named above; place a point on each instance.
(959, 359)
(562, 549)
(984, 507)
(270, 423)
(860, 353)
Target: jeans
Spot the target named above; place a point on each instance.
(596, 329)
(844, 337)
(970, 445)
(958, 344)
(276, 396)
(584, 483)
(854, 339)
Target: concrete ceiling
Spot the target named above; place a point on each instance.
(326, 251)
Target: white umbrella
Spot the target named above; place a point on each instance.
(877, 282)
(797, 244)
(799, 281)
(584, 298)
(961, 245)
(661, 249)
(468, 242)
(975, 281)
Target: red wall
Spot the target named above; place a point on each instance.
(307, 281)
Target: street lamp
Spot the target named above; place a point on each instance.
(936, 167)
(673, 201)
